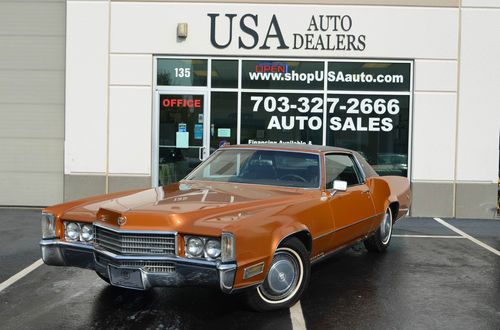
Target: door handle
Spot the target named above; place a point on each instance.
(200, 153)
(367, 191)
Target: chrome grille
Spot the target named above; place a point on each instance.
(146, 265)
(130, 243)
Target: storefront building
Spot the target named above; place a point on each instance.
(153, 88)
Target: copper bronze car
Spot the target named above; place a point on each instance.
(250, 219)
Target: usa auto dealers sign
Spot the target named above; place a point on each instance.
(253, 31)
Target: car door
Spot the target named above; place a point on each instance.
(353, 208)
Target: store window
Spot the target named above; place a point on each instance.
(369, 76)
(355, 104)
(369, 111)
(273, 74)
(374, 125)
(181, 72)
(223, 119)
(281, 118)
(180, 135)
(224, 74)
(287, 104)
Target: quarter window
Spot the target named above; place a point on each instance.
(340, 167)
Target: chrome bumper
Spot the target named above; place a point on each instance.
(188, 272)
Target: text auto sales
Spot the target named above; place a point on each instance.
(310, 109)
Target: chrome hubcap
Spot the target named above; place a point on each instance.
(282, 278)
(386, 228)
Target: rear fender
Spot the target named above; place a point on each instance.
(387, 190)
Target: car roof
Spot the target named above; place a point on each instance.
(289, 146)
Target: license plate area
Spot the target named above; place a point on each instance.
(126, 277)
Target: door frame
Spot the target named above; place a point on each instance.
(155, 143)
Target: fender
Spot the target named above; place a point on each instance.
(270, 244)
(389, 190)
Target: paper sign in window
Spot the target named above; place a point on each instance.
(182, 139)
(198, 131)
(224, 132)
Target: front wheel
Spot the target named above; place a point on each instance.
(382, 237)
(286, 280)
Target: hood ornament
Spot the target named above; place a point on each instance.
(121, 221)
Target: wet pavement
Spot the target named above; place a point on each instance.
(420, 283)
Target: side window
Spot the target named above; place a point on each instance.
(340, 167)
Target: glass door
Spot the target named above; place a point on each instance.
(181, 135)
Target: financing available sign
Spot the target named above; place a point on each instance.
(251, 31)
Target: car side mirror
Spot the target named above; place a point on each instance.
(339, 185)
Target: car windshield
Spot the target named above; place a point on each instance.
(266, 167)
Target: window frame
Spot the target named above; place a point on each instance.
(321, 164)
(357, 169)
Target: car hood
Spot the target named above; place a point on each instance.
(187, 206)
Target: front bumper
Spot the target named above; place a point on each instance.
(185, 272)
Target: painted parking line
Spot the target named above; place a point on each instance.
(429, 236)
(298, 322)
(469, 237)
(20, 275)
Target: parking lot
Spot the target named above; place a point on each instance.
(432, 276)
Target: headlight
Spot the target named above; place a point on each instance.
(194, 246)
(48, 226)
(72, 231)
(87, 233)
(212, 248)
(228, 246)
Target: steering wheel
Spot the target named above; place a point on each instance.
(294, 177)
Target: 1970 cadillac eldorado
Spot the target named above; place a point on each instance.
(249, 219)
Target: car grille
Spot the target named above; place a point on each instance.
(146, 265)
(135, 243)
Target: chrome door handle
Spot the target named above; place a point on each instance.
(367, 191)
(200, 153)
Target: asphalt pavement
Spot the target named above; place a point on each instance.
(430, 278)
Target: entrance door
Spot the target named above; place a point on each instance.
(181, 135)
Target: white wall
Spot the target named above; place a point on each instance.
(434, 120)
(479, 116)
(86, 87)
(130, 130)
(130, 114)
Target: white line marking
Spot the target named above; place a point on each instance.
(428, 236)
(298, 322)
(4, 285)
(465, 235)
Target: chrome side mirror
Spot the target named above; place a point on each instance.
(339, 185)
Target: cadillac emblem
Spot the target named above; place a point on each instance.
(121, 221)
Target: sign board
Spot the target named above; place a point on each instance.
(224, 132)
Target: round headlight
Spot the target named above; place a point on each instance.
(195, 246)
(72, 231)
(87, 233)
(212, 248)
